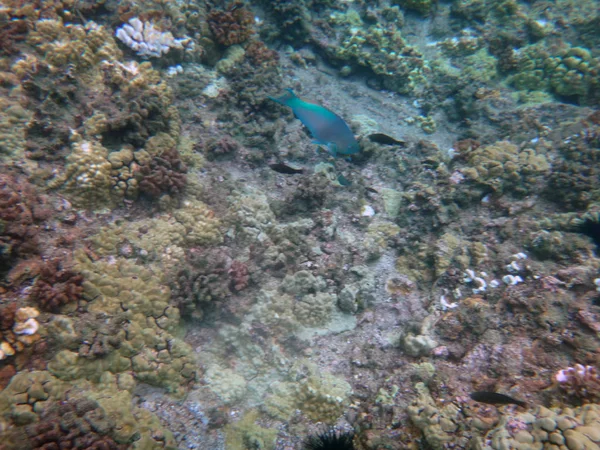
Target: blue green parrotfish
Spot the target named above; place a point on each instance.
(326, 127)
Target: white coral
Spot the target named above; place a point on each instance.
(145, 39)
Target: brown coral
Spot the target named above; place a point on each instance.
(261, 55)
(232, 26)
(21, 213)
(74, 424)
(239, 277)
(164, 175)
(200, 283)
(7, 316)
(56, 286)
(225, 145)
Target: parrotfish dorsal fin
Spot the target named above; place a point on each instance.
(286, 98)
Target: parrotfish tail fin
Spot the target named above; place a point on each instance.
(343, 180)
(286, 98)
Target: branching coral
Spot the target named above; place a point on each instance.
(574, 181)
(232, 25)
(239, 278)
(74, 424)
(56, 286)
(580, 381)
(164, 175)
(200, 284)
(22, 212)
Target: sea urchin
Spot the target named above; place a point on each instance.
(330, 440)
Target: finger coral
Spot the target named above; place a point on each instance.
(138, 323)
(165, 174)
(232, 25)
(56, 286)
(505, 167)
(200, 284)
(22, 212)
(74, 424)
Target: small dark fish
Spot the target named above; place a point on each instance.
(382, 138)
(494, 398)
(284, 168)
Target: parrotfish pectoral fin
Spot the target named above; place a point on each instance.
(332, 149)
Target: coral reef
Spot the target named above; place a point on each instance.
(133, 302)
(456, 252)
(22, 212)
(56, 285)
(165, 174)
(381, 48)
(504, 167)
(146, 40)
(321, 396)
(104, 106)
(233, 25)
(580, 381)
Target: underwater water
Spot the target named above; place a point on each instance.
(310, 224)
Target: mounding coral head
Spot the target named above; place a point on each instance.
(330, 439)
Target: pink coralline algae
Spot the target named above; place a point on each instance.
(580, 381)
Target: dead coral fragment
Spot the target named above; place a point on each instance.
(146, 40)
(580, 381)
